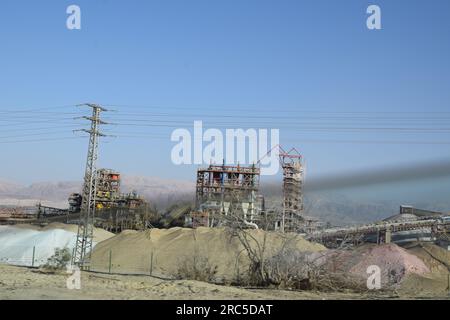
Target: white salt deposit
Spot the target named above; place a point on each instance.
(19, 245)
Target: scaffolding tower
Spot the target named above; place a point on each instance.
(225, 190)
(108, 188)
(293, 175)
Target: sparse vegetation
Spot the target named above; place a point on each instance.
(58, 261)
(197, 268)
(288, 268)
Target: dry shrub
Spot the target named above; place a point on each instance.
(291, 268)
(294, 269)
(197, 268)
(58, 261)
(322, 279)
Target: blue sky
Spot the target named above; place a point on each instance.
(299, 64)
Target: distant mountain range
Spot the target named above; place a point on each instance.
(344, 208)
(161, 192)
(333, 207)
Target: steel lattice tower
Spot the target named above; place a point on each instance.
(292, 165)
(83, 247)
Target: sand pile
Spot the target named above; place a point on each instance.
(395, 263)
(132, 251)
(27, 245)
(437, 259)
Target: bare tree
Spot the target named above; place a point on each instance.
(288, 266)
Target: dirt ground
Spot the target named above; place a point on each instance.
(25, 283)
(156, 251)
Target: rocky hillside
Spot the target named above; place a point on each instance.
(161, 192)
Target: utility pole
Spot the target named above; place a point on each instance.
(83, 246)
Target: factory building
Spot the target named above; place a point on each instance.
(226, 192)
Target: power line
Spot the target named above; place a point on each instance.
(258, 115)
(34, 109)
(315, 129)
(249, 108)
(26, 123)
(37, 129)
(309, 123)
(270, 109)
(32, 134)
(24, 116)
(302, 140)
(39, 140)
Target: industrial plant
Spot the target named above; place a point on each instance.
(227, 197)
(224, 195)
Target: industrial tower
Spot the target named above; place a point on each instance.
(293, 170)
(83, 247)
(225, 190)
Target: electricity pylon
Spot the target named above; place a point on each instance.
(85, 235)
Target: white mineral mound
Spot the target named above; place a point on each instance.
(18, 244)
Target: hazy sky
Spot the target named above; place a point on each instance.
(347, 97)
